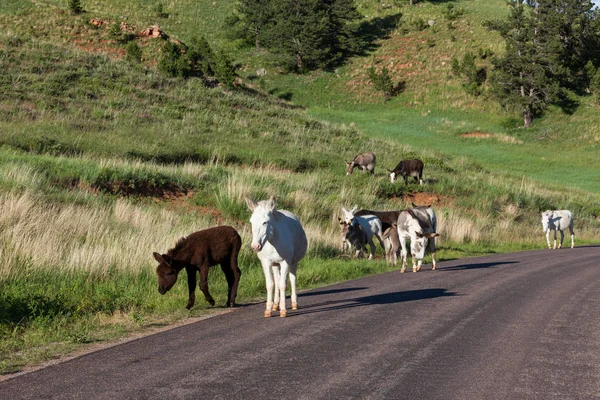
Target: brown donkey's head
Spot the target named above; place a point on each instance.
(167, 275)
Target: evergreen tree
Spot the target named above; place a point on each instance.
(254, 15)
(566, 35)
(522, 78)
(298, 35)
(301, 34)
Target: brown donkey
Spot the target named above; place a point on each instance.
(199, 251)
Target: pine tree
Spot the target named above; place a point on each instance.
(522, 78)
(250, 19)
(300, 34)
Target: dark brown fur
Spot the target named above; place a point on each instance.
(198, 252)
(387, 218)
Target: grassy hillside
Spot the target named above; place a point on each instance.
(103, 162)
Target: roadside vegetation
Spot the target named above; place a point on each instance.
(105, 159)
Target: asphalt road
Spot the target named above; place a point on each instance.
(513, 326)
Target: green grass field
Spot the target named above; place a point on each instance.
(103, 162)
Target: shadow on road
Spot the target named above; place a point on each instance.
(379, 299)
(476, 265)
(332, 291)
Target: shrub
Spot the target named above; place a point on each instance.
(159, 10)
(134, 53)
(451, 13)
(75, 7)
(382, 81)
(172, 62)
(120, 35)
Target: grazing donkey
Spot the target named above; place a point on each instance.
(280, 243)
(419, 226)
(408, 168)
(392, 243)
(558, 220)
(365, 161)
(370, 224)
(353, 235)
(198, 252)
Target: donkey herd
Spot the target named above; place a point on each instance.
(280, 241)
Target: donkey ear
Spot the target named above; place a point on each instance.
(389, 170)
(158, 257)
(354, 209)
(251, 204)
(271, 203)
(414, 205)
(347, 162)
(344, 210)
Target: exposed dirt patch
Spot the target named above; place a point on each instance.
(425, 199)
(178, 202)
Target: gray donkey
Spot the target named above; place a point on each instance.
(365, 161)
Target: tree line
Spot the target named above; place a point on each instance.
(552, 47)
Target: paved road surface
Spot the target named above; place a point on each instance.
(514, 326)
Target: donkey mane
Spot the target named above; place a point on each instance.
(178, 246)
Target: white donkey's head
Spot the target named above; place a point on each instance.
(420, 234)
(348, 215)
(547, 217)
(262, 221)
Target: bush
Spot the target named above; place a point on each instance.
(382, 81)
(473, 78)
(159, 10)
(75, 7)
(119, 35)
(134, 53)
(172, 62)
(451, 13)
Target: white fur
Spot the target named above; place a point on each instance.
(280, 243)
(421, 239)
(370, 224)
(558, 220)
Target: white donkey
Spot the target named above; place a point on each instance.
(280, 243)
(370, 224)
(558, 220)
(419, 226)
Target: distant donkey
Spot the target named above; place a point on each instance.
(198, 252)
(406, 168)
(365, 161)
(558, 220)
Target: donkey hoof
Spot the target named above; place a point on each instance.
(275, 307)
(267, 314)
(403, 270)
(294, 306)
(433, 268)
(415, 270)
(283, 314)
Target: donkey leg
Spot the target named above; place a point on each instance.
(204, 284)
(281, 286)
(276, 294)
(372, 247)
(548, 238)
(555, 232)
(562, 238)
(572, 238)
(293, 269)
(270, 286)
(191, 275)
